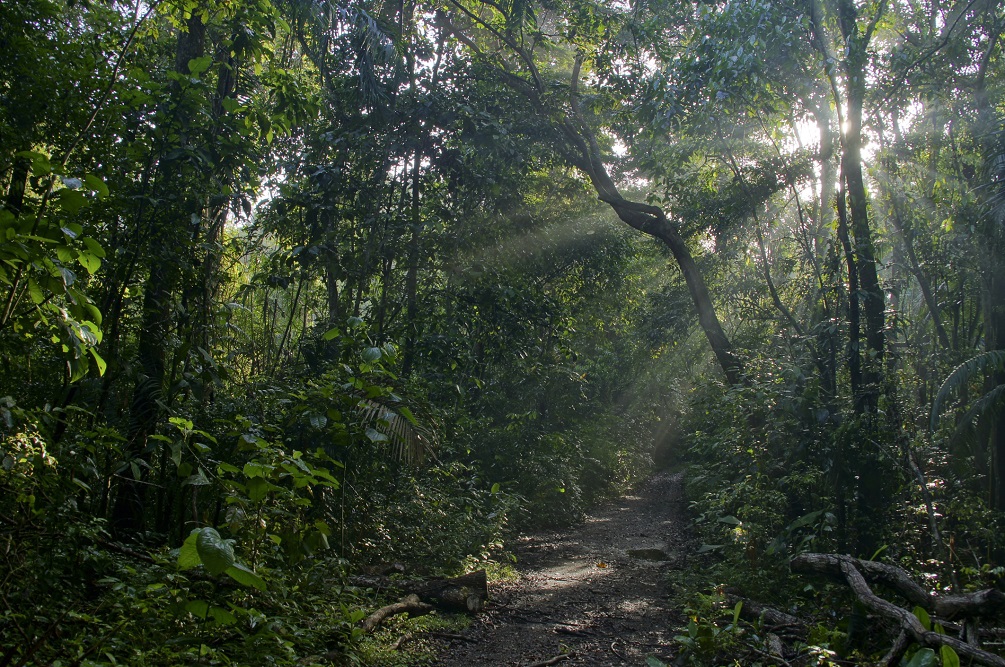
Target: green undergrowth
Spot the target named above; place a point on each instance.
(407, 642)
(769, 474)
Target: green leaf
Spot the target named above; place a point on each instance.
(93, 246)
(101, 363)
(949, 657)
(372, 354)
(188, 555)
(376, 436)
(198, 479)
(731, 520)
(199, 65)
(923, 658)
(407, 414)
(89, 261)
(258, 488)
(71, 201)
(198, 608)
(230, 105)
(217, 554)
(331, 334)
(96, 184)
(922, 615)
(246, 577)
(654, 662)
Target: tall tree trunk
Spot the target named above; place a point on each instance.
(129, 510)
(873, 302)
(988, 133)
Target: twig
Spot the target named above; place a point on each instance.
(551, 661)
(450, 635)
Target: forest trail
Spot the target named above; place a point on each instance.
(596, 591)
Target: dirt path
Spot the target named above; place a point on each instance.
(596, 590)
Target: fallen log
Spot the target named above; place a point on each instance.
(856, 572)
(985, 603)
(770, 617)
(910, 623)
(465, 593)
(410, 605)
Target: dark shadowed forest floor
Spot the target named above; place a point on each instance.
(595, 591)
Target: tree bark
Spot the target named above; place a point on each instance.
(985, 603)
(584, 153)
(409, 605)
(128, 512)
(873, 301)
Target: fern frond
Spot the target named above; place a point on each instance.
(993, 360)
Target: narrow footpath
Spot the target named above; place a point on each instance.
(595, 593)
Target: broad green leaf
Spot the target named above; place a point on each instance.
(71, 201)
(376, 436)
(35, 292)
(96, 184)
(99, 361)
(199, 65)
(245, 576)
(188, 555)
(198, 479)
(198, 608)
(93, 246)
(331, 334)
(949, 657)
(217, 554)
(923, 658)
(258, 488)
(731, 520)
(372, 354)
(89, 261)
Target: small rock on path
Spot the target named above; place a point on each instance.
(596, 591)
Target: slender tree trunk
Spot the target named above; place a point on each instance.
(584, 153)
(412, 274)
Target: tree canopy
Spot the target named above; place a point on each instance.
(293, 287)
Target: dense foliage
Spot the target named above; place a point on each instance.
(289, 288)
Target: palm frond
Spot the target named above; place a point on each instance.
(981, 406)
(993, 360)
(411, 442)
